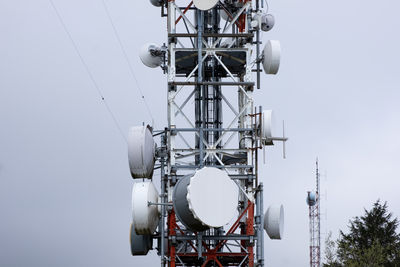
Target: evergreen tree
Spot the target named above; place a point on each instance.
(372, 241)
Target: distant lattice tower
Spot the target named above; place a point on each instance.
(313, 201)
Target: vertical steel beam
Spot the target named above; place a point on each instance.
(171, 91)
(200, 22)
(163, 200)
(258, 49)
(260, 225)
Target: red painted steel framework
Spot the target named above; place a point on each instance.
(245, 256)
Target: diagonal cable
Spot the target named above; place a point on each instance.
(126, 58)
(95, 84)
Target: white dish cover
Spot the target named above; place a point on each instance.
(274, 221)
(145, 218)
(141, 150)
(147, 58)
(212, 197)
(267, 121)
(272, 56)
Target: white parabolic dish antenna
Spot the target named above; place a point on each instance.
(141, 150)
(267, 124)
(148, 56)
(205, 4)
(145, 217)
(206, 199)
(212, 197)
(272, 56)
(273, 221)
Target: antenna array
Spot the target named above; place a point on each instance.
(210, 209)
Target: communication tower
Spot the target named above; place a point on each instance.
(313, 201)
(210, 209)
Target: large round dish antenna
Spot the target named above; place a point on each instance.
(272, 56)
(145, 217)
(206, 199)
(141, 150)
(140, 244)
(273, 221)
(151, 55)
(205, 4)
(181, 206)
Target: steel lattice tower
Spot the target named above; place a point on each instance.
(315, 224)
(208, 70)
(204, 63)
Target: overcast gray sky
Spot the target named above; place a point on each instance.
(65, 187)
